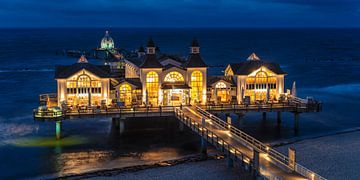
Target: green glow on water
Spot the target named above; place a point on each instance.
(48, 141)
(58, 129)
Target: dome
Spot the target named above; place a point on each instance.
(107, 42)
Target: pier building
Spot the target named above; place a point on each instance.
(153, 78)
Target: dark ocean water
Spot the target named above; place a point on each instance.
(324, 62)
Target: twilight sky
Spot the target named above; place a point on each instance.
(180, 13)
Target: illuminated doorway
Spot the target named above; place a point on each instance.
(125, 94)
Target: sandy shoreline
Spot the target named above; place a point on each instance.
(334, 157)
(316, 153)
(170, 167)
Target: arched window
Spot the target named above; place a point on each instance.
(221, 92)
(152, 87)
(220, 85)
(125, 94)
(174, 77)
(196, 84)
(84, 81)
(261, 80)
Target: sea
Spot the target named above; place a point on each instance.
(324, 62)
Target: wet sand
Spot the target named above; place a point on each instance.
(196, 167)
(334, 157)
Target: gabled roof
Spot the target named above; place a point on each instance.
(150, 61)
(213, 79)
(133, 81)
(195, 60)
(247, 67)
(101, 71)
(136, 60)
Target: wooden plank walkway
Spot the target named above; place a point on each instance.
(167, 110)
(271, 107)
(223, 137)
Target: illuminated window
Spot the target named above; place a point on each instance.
(196, 84)
(174, 77)
(261, 78)
(71, 84)
(125, 94)
(84, 81)
(152, 87)
(221, 92)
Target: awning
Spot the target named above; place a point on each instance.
(175, 86)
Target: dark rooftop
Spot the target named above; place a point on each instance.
(150, 61)
(151, 43)
(195, 60)
(195, 43)
(247, 67)
(102, 71)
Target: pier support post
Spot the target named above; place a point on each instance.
(278, 118)
(228, 119)
(58, 130)
(229, 161)
(122, 126)
(116, 122)
(181, 126)
(264, 116)
(240, 118)
(203, 139)
(296, 122)
(256, 163)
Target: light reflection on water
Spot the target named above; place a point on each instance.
(47, 141)
(94, 144)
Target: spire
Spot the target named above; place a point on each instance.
(141, 51)
(82, 59)
(194, 59)
(150, 60)
(253, 57)
(150, 47)
(195, 48)
(195, 43)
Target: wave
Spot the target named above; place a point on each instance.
(349, 90)
(25, 70)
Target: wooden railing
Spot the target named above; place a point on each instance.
(299, 107)
(259, 146)
(213, 139)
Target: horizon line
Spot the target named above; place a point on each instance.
(184, 27)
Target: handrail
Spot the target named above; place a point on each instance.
(308, 107)
(212, 138)
(256, 144)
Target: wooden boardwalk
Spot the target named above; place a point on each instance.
(241, 147)
(124, 112)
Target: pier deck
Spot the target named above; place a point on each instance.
(124, 112)
(240, 146)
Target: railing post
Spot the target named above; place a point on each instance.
(292, 158)
(203, 140)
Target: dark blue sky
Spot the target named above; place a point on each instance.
(180, 13)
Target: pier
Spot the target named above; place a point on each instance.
(241, 148)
